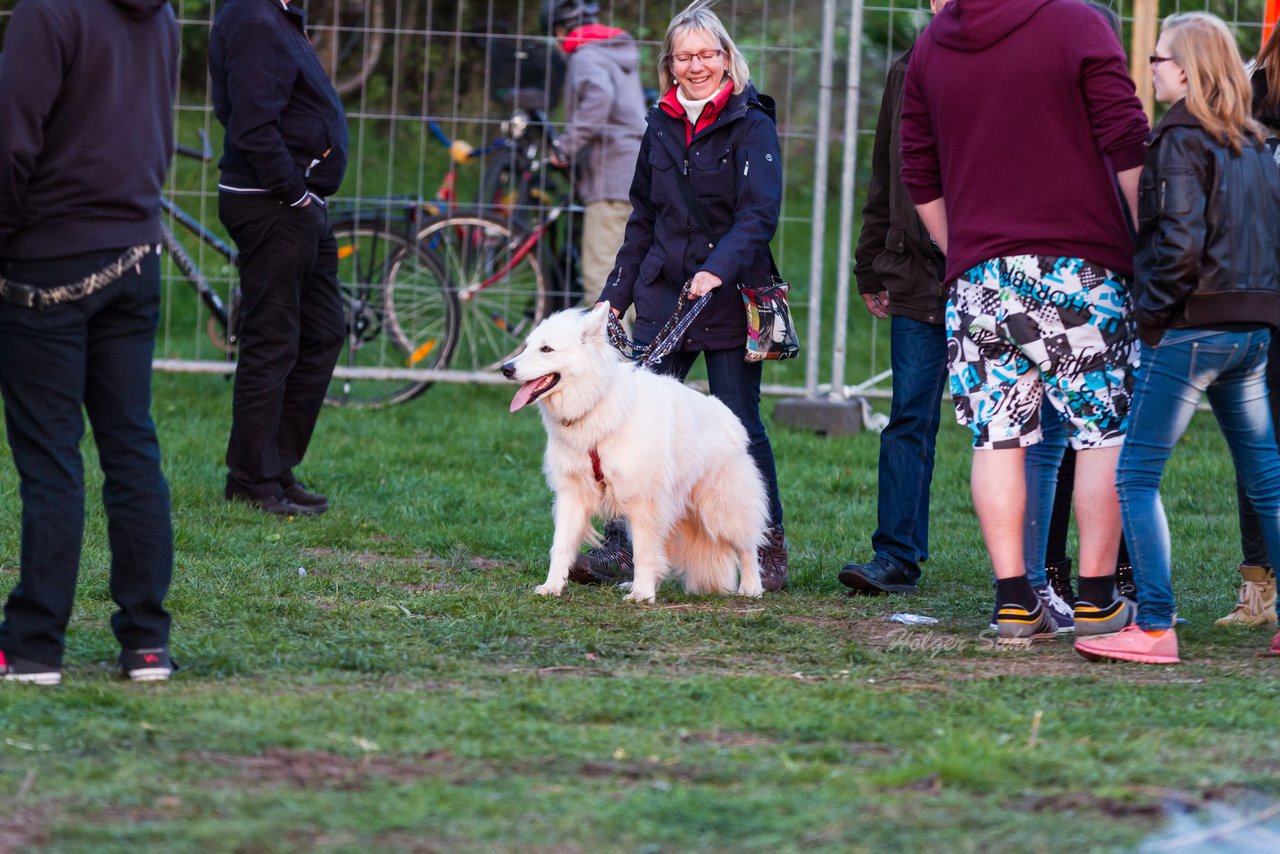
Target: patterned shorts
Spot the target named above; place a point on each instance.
(1023, 326)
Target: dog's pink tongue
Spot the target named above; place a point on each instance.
(523, 395)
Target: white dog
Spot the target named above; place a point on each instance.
(623, 442)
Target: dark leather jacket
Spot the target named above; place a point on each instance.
(895, 253)
(1208, 254)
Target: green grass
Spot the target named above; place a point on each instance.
(383, 678)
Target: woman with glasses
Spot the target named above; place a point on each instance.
(706, 197)
(1207, 298)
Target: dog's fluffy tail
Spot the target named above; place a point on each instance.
(726, 524)
(708, 563)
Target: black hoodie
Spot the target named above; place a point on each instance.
(86, 125)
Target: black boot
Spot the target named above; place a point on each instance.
(611, 562)
(1124, 582)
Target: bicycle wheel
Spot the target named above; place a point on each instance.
(513, 188)
(501, 288)
(372, 262)
(500, 191)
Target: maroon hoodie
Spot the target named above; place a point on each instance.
(1018, 112)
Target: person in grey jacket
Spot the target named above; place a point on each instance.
(899, 270)
(604, 122)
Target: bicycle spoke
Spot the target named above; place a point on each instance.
(499, 282)
(372, 263)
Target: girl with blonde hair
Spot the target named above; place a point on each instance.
(1207, 297)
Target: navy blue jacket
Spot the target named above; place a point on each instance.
(86, 125)
(735, 168)
(274, 98)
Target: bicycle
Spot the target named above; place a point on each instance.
(505, 278)
(370, 258)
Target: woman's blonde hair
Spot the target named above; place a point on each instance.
(1269, 62)
(1218, 90)
(698, 16)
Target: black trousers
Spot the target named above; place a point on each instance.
(57, 363)
(291, 330)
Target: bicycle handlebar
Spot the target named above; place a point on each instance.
(204, 153)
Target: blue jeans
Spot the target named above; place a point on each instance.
(90, 356)
(918, 356)
(1043, 460)
(1173, 375)
(735, 382)
(1253, 547)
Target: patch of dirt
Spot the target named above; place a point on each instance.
(25, 830)
(726, 739)
(314, 769)
(422, 586)
(365, 558)
(635, 771)
(1085, 801)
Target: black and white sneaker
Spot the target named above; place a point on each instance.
(146, 665)
(1063, 613)
(14, 669)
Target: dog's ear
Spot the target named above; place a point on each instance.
(596, 325)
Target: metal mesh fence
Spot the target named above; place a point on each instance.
(419, 75)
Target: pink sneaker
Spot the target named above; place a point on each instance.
(1275, 644)
(1131, 644)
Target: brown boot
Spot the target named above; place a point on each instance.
(773, 561)
(1257, 603)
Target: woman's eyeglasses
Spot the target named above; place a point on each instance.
(1156, 59)
(704, 55)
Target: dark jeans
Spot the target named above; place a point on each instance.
(735, 382)
(918, 356)
(291, 329)
(1252, 545)
(1051, 479)
(95, 354)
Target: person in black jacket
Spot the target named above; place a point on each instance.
(86, 135)
(285, 152)
(1256, 601)
(899, 270)
(1207, 298)
(712, 130)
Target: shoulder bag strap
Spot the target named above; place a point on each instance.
(691, 203)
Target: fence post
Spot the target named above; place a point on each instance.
(835, 414)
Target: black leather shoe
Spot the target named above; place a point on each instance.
(276, 505)
(880, 575)
(298, 494)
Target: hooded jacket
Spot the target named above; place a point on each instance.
(286, 129)
(1207, 253)
(86, 125)
(604, 111)
(734, 166)
(1019, 112)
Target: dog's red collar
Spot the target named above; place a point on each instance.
(596, 471)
